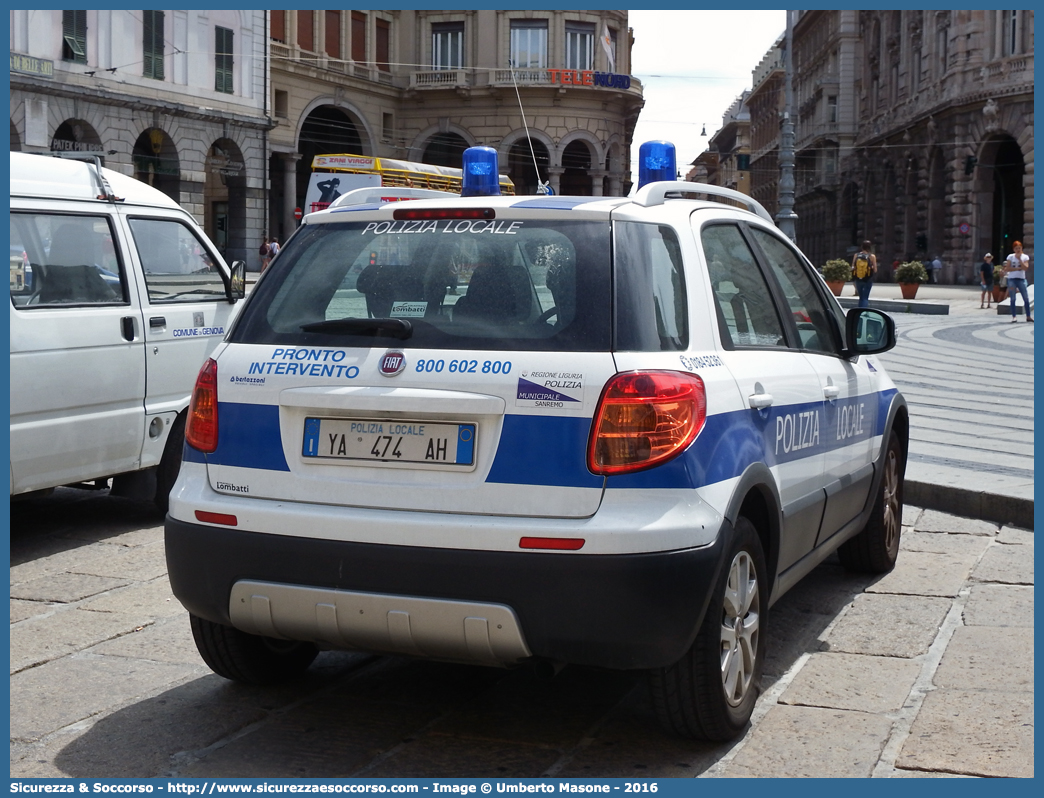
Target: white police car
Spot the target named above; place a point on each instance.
(490, 429)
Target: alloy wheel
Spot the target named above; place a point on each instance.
(740, 627)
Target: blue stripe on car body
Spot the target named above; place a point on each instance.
(552, 450)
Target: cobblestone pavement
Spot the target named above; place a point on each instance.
(894, 676)
(968, 377)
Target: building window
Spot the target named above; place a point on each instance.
(74, 36)
(306, 30)
(358, 36)
(278, 26)
(387, 127)
(941, 40)
(832, 109)
(447, 45)
(382, 44)
(333, 34)
(223, 60)
(1011, 32)
(282, 103)
(529, 43)
(152, 44)
(579, 41)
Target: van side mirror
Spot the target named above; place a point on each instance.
(868, 332)
(237, 283)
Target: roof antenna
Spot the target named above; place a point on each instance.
(542, 187)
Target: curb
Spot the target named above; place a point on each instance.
(899, 306)
(1004, 510)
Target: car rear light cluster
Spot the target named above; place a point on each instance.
(645, 418)
(201, 427)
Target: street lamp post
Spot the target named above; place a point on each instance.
(786, 216)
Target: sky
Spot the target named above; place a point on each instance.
(693, 65)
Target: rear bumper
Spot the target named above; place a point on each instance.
(617, 611)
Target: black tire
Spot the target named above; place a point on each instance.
(703, 695)
(248, 658)
(875, 549)
(170, 464)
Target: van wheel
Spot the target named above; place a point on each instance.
(249, 658)
(170, 464)
(874, 550)
(709, 693)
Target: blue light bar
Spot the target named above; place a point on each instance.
(656, 161)
(481, 173)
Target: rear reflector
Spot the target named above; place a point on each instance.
(444, 213)
(645, 418)
(559, 544)
(216, 518)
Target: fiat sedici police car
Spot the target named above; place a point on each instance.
(485, 429)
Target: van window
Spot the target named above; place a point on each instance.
(64, 260)
(460, 284)
(178, 266)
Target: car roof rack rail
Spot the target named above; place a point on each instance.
(377, 195)
(658, 192)
(104, 189)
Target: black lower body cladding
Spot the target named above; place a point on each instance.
(615, 611)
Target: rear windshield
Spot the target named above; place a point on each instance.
(447, 284)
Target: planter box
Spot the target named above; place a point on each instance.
(909, 290)
(836, 286)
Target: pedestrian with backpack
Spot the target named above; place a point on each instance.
(864, 267)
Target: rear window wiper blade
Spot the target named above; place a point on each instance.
(394, 328)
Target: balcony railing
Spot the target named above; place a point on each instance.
(439, 79)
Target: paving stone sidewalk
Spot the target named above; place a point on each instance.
(924, 672)
(929, 672)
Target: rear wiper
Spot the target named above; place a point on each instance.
(394, 328)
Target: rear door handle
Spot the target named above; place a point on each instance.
(155, 322)
(831, 392)
(760, 400)
(127, 328)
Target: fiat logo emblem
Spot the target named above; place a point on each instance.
(392, 363)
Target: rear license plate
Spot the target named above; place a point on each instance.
(383, 441)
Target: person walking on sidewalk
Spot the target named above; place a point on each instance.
(1015, 266)
(264, 252)
(864, 267)
(934, 269)
(986, 280)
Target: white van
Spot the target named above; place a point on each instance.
(117, 298)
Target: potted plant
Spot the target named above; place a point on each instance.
(910, 275)
(1000, 283)
(836, 273)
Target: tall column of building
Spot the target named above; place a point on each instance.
(555, 178)
(290, 160)
(597, 176)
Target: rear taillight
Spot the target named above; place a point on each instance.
(645, 418)
(201, 427)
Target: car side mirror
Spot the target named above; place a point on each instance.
(237, 283)
(868, 332)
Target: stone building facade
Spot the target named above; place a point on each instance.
(175, 98)
(732, 144)
(766, 105)
(424, 85)
(914, 130)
